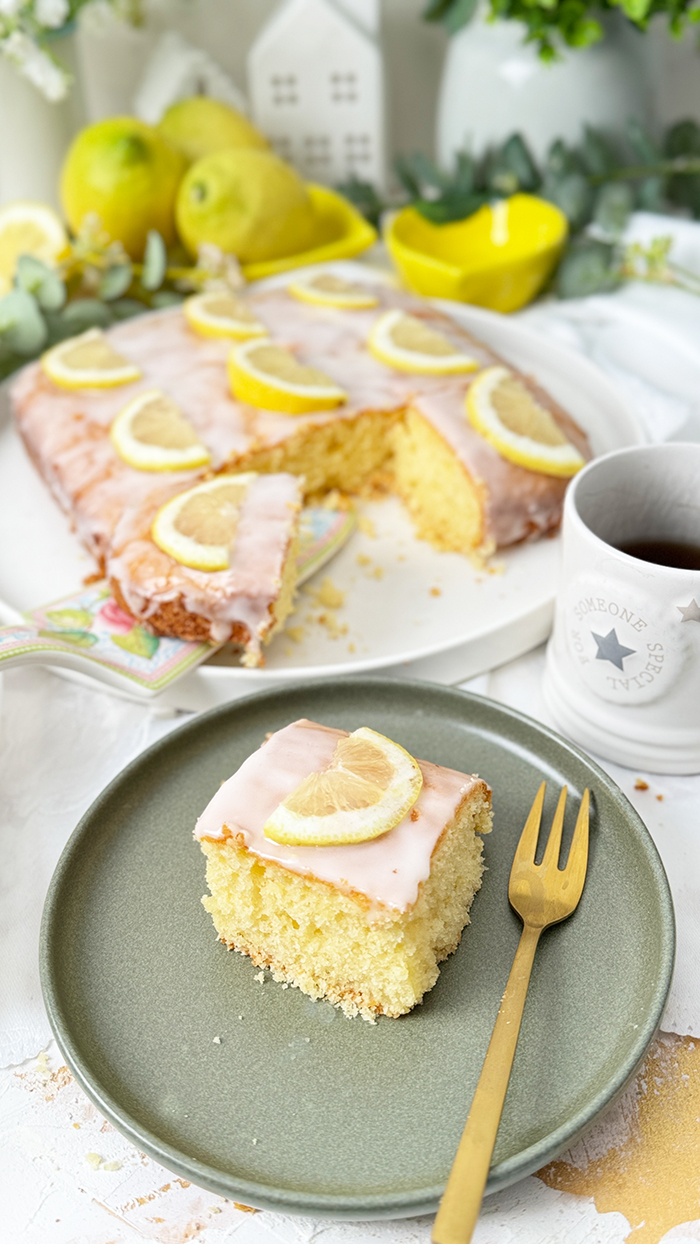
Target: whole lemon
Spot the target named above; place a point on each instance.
(200, 126)
(128, 174)
(247, 202)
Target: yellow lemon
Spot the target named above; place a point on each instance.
(506, 413)
(219, 314)
(199, 126)
(328, 290)
(152, 434)
(247, 202)
(369, 787)
(266, 376)
(198, 527)
(88, 362)
(28, 229)
(406, 343)
(128, 174)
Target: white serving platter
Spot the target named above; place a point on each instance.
(408, 610)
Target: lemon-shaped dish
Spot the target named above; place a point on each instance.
(341, 232)
(500, 257)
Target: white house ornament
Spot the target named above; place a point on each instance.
(316, 86)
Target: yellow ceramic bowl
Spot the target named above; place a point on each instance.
(341, 233)
(499, 258)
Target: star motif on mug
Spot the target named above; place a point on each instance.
(610, 649)
(691, 612)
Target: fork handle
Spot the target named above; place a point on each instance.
(461, 1201)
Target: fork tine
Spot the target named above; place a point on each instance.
(527, 847)
(551, 853)
(577, 863)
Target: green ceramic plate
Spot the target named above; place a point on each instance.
(299, 1109)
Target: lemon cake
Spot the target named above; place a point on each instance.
(333, 382)
(344, 865)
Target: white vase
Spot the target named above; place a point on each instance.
(494, 84)
(34, 134)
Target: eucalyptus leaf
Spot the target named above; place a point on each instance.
(435, 9)
(363, 196)
(613, 204)
(407, 176)
(596, 153)
(155, 261)
(167, 298)
(37, 278)
(683, 139)
(589, 267)
(85, 313)
(127, 308)
(573, 195)
(22, 326)
(651, 194)
(115, 281)
(641, 142)
(515, 156)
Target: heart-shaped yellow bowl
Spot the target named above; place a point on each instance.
(499, 258)
(340, 233)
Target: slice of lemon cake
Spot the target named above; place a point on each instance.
(344, 865)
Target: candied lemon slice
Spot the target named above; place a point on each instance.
(507, 414)
(327, 290)
(219, 314)
(369, 786)
(88, 362)
(28, 229)
(198, 527)
(406, 343)
(152, 434)
(271, 378)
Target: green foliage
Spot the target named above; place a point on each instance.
(551, 23)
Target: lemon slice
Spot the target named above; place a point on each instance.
(152, 434)
(28, 229)
(406, 343)
(369, 786)
(271, 378)
(222, 315)
(198, 527)
(326, 290)
(505, 412)
(87, 362)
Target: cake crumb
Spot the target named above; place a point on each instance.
(214, 1209)
(327, 594)
(640, 784)
(366, 526)
(363, 560)
(334, 628)
(436, 591)
(245, 1209)
(351, 647)
(94, 1160)
(295, 633)
(377, 573)
(660, 798)
(260, 977)
(112, 1166)
(217, 1041)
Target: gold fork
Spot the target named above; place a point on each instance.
(542, 894)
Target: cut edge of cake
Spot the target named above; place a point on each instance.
(379, 961)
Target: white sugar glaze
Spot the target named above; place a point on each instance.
(387, 870)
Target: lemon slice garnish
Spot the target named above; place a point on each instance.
(326, 290)
(406, 343)
(28, 229)
(88, 362)
(505, 412)
(219, 314)
(369, 786)
(198, 527)
(271, 378)
(152, 434)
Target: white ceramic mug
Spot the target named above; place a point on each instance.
(623, 663)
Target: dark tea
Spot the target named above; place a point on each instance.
(665, 553)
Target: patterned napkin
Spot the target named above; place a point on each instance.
(89, 626)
